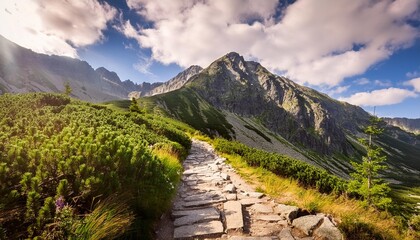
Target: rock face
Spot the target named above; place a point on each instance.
(202, 210)
(298, 113)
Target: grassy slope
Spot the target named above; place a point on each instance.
(187, 106)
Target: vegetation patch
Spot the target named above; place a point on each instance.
(63, 161)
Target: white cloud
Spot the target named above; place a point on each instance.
(313, 42)
(362, 81)
(415, 83)
(54, 26)
(338, 90)
(380, 97)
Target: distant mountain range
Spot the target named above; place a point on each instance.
(22, 70)
(406, 124)
(242, 100)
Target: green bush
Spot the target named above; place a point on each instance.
(282, 165)
(54, 147)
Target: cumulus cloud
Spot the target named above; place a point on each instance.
(414, 83)
(381, 97)
(54, 26)
(315, 42)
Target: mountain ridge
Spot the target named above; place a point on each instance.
(260, 106)
(22, 70)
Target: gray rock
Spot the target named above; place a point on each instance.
(328, 231)
(200, 212)
(307, 223)
(203, 202)
(251, 238)
(199, 229)
(251, 201)
(195, 218)
(231, 197)
(287, 211)
(269, 218)
(225, 176)
(229, 188)
(233, 214)
(255, 194)
(261, 208)
(286, 234)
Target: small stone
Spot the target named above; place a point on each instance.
(225, 176)
(307, 223)
(229, 188)
(199, 212)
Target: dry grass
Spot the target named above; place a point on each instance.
(109, 220)
(349, 213)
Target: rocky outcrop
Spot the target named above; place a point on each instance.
(203, 210)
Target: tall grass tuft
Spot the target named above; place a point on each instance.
(109, 220)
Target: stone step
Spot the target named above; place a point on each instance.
(251, 201)
(213, 228)
(252, 238)
(233, 215)
(199, 212)
(195, 218)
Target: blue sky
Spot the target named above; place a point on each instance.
(364, 52)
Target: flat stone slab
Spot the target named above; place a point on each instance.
(203, 202)
(255, 194)
(328, 231)
(199, 229)
(286, 234)
(199, 212)
(261, 208)
(307, 223)
(269, 218)
(233, 214)
(252, 238)
(194, 218)
(251, 201)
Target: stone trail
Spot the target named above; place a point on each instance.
(213, 202)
